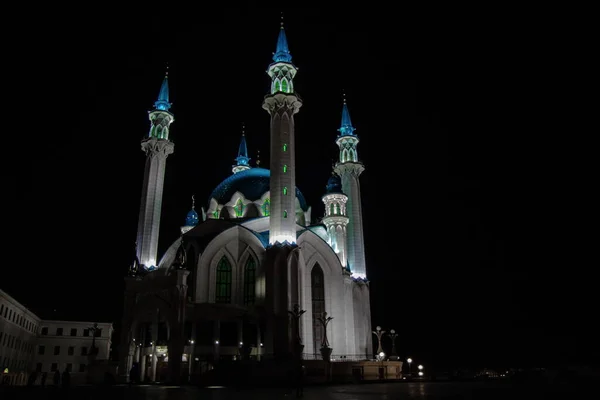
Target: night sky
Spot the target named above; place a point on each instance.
(439, 136)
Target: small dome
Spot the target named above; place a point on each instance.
(334, 184)
(192, 218)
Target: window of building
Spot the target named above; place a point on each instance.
(284, 168)
(41, 349)
(1, 308)
(84, 351)
(38, 367)
(81, 367)
(284, 213)
(73, 331)
(223, 293)
(285, 146)
(56, 350)
(86, 332)
(239, 208)
(59, 331)
(44, 330)
(54, 367)
(250, 281)
(317, 283)
(71, 350)
(69, 367)
(266, 207)
(98, 332)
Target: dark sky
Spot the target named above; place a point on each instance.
(437, 111)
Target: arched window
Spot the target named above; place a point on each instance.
(239, 208)
(250, 281)
(285, 147)
(284, 86)
(284, 213)
(284, 168)
(216, 214)
(223, 293)
(277, 86)
(331, 209)
(266, 207)
(285, 190)
(336, 209)
(317, 284)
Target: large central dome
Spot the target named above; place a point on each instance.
(252, 183)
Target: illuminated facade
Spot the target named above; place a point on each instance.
(224, 288)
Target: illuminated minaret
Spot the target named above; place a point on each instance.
(335, 218)
(157, 147)
(349, 169)
(242, 160)
(282, 103)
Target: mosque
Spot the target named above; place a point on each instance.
(224, 289)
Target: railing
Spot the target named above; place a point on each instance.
(337, 357)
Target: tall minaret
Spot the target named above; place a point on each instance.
(335, 218)
(282, 103)
(349, 169)
(157, 147)
(242, 160)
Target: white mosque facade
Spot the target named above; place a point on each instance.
(226, 287)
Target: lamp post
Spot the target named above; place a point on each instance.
(409, 360)
(325, 349)
(393, 335)
(379, 333)
(296, 313)
(420, 370)
(381, 367)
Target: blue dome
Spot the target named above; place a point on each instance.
(252, 183)
(334, 184)
(192, 218)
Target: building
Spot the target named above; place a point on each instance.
(28, 343)
(224, 289)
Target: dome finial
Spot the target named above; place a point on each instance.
(282, 20)
(243, 129)
(344, 95)
(193, 202)
(167, 70)
(258, 158)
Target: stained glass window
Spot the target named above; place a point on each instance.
(223, 293)
(239, 208)
(285, 147)
(285, 190)
(284, 168)
(250, 281)
(266, 207)
(284, 86)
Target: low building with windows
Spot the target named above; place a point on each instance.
(29, 343)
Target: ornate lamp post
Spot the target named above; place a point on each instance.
(296, 313)
(393, 335)
(379, 333)
(325, 349)
(409, 361)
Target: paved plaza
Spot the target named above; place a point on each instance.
(371, 391)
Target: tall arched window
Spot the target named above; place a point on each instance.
(239, 208)
(250, 281)
(284, 86)
(285, 190)
(284, 168)
(331, 209)
(266, 207)
(223, 293)
(317, 284)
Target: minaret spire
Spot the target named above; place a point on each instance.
(282, 103)
(349, 170)
(243, 161)
(157, 147)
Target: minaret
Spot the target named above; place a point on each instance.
(349, 169)
(282, 103)
(335, 218)
(157, 147)
(242, 159)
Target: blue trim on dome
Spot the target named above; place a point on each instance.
(252, 183)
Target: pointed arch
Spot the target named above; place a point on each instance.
(345, 155)
(277, 86)
(250, 281)
(223, 281)
(239, 208)
(284, 85)
(317, 285)
(331, 209)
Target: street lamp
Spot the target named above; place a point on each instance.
(420, 367)
(381, 368)
(379, 333)
(409, 360)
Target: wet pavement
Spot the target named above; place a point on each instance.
(379, 391)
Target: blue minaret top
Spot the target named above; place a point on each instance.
(163, 96)
(334, 184)
(346, 129)
(282, 54)
(192, 216)
(242, 158)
